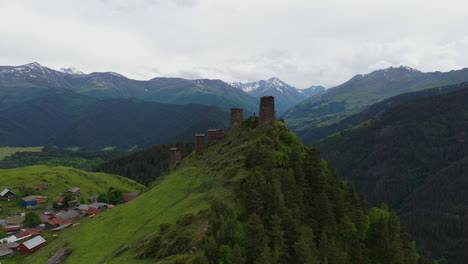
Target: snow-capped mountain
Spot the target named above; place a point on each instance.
(71, 70)
(285, 95)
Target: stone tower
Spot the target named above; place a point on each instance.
(199, 142)
(237, 115)
(215, 134)
(174, 156)
(267, 110)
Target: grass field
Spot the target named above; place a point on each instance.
(7, 151)
(60, 179)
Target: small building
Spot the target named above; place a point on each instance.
(5, 250)
(68, 215)
(28, 233)
(215, 134)
(32, 245)
(199, 142)
(38, 187)
(93, 211)
(129, 197)
(82, 208)
(34, 200)
(13, 228)
(93, 198)
(7, 195)
(102, 206)
(75, 191)
(175, 155)
(57, 222)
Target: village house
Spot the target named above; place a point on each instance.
(32, 245)
(34, 200)
(54, 223)
(21, 236)
(129, 197)
(5, 250)
(68, 215)
(75, 191)
(7, 195)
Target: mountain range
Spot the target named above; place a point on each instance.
(20, 83)
(64, 118)
(285, 95)
(353, 96)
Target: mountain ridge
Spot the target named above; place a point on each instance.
(351, 97)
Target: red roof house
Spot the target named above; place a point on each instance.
(32, 245)
(93, 211)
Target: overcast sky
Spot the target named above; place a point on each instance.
(302, 42)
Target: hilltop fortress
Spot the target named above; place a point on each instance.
(267, 116)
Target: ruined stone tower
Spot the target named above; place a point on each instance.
(199, 142)
(174, 156)
(215, 134)
(237, 115)
(267, 110)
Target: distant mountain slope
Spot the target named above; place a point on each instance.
(28, 78)
(314, 134)
(401, 158)
(353, 96)
(285, 95)
(64, 118)
(311, 91)
(128, 123)
(258, 196)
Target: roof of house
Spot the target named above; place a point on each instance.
(12, 245)
(98, 205)
(12, 228)
(6, 251)
(33, 197)
(73, 190)
(62, 227)
(68, 214)
(28, 232)
(93, 211)
(83, 207)
(59, 221)
(6, 191)
(129, 196)
(34, 242)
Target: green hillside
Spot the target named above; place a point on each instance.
(258, 196)
(361, 91)
(60, 179)
(412, 157)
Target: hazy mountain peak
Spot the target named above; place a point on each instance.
(71, 70)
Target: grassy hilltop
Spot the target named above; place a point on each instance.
(60, 179)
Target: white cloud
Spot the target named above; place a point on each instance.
(302, 42)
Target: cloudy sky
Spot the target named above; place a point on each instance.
(302, 42)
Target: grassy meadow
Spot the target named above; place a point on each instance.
(7, 151)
